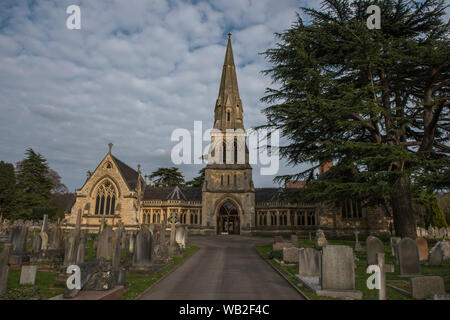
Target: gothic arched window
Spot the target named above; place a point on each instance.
(106, 199)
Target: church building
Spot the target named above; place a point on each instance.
(227, 203)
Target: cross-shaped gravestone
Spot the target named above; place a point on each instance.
(380, 275)
(357, 244)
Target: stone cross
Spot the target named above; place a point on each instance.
(383, 269)
(44, 223)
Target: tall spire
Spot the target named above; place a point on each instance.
(228, 111)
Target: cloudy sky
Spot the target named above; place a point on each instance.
(135, 71)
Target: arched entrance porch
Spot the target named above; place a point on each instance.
(228, 219)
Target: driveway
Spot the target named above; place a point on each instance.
(224, 268)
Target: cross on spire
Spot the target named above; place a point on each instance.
(110, 145)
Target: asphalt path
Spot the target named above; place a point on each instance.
(224, 268)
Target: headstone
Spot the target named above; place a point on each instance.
(117, 250)
(81, 250)
(321, 240)
(338, 270)
(309, 262)
(55, 241)
(442, 233)
(142, 257)
(425, 287)
(422, 246)
(290, 255)
(445, 247)
(294, 240)
(180, 236)
(36, 244)
(105, 246)
(436, 256)
(4, 266)
(408, 255)
(277, 239)
(173, 247)
(44, 240)
(357, 244)
(281, 245)
(44, 227)
(373, 246)
(394, 247)
(72, 242)
(18, 238)
(28, 275)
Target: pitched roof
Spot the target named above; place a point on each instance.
(175, 193)
(129, 174)
(272, 194)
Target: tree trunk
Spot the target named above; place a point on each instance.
(404, 223)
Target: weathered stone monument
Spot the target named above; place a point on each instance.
(105, 246)
(4, 266)
(309, 262)
(18, 238)
(373, 246)
(422, 246)
(425, 287)
(36, 244)
(357, 244)
(321, 240)
(436, 256)
(181, 233)
(408, 255)
(338, 272)
(290, 255)
(142, 258)
(28, 275)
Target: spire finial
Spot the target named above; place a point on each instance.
(139, 168)
(229, 35)
(110, 145)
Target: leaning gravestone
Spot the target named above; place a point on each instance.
(44, 240)
(4, 266)
(422, 246)
(55, 241)
(408, 255)
(373, 246)
(290, 255)
(445, 247)
(105, 246)
(338, 270)
(71, 248)
(309, 261)
(180, 236)
(28, 275)
(425, 287)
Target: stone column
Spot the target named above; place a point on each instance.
(269, 217)
(289, 222)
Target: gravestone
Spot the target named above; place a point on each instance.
(55, 241)
(81, 250)
(180, 236)
(383, 269)
(290, 255)
(443, 233)
(436, 256)
(422, 246)
(357, 244)
(294, 240)
(142, 258)
(309, 262)
(117, 249)
(445, 247)
(4, 266)
(36, 244)
(321, 240)
(338, 270)
(44, 240)
(408, 255)
(105, 245)
(28, 275)
(44, 227)
(425, 287)
(277, 239)
(72, 242)
(18, 238)
(373, 246)
(394, 248)
(279, 246)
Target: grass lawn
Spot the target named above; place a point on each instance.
(138, 283)
(43, 288)
(360, 272)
